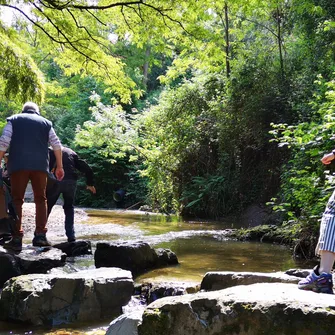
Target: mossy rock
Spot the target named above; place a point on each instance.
(155, 322)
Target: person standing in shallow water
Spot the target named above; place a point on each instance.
(28, 135)
(320, 280)
(67, 187)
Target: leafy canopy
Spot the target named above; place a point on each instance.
(19, 76)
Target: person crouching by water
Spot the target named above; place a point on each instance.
(28, 135)
(67, 187)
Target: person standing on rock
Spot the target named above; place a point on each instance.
(320, 280)
(67, 187)
(28, 136)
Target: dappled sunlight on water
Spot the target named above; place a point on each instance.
(127, 217)
(152, 223)
(199, 255)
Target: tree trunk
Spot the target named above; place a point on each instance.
(146, 67)
(227, 40)
(280, 42)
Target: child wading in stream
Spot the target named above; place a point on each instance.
(320, 280)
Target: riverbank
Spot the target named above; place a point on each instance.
(301, 242)
(55, 225)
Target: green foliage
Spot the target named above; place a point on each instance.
(107, 179)
(205, 191)
(170, 134)
(200, 144)
(108, 130)
(196, 152)
(68, 103)
(305, 183)
(107, 140)
(19, 76)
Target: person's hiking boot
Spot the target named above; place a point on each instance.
(322, 283)
(5, 226)
(15, 244)
(41, 241)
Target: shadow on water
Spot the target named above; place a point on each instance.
(200, 246)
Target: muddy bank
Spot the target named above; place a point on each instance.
(301, 243)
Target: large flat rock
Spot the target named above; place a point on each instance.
(264, 308)
(223, 279)
(53, 299)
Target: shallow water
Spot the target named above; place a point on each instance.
(199, 245)
(199, 255)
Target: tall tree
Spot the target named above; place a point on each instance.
(20, 79)
(79, 34)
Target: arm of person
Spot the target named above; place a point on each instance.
(83, 167)
(57, 148)
(59, 171)
(327, 158)
(5, 139)
(92, 189)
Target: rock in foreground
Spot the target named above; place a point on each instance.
(45, 299)
(29, 260)
(269, 308)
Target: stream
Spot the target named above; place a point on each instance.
(199, 245)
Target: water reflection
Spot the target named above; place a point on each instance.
(199, 255)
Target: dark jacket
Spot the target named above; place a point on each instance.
(29, 143)
(71, 164)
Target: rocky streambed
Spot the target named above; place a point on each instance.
(228, 302)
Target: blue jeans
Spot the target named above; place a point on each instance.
(68, 189)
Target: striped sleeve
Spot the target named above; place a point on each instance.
(54, 140)
(6, 136)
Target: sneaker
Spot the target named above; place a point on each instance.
(15, 244)
(41, 241)
(4, 239)
(319, 284)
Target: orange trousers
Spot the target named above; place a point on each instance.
(19, 181)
